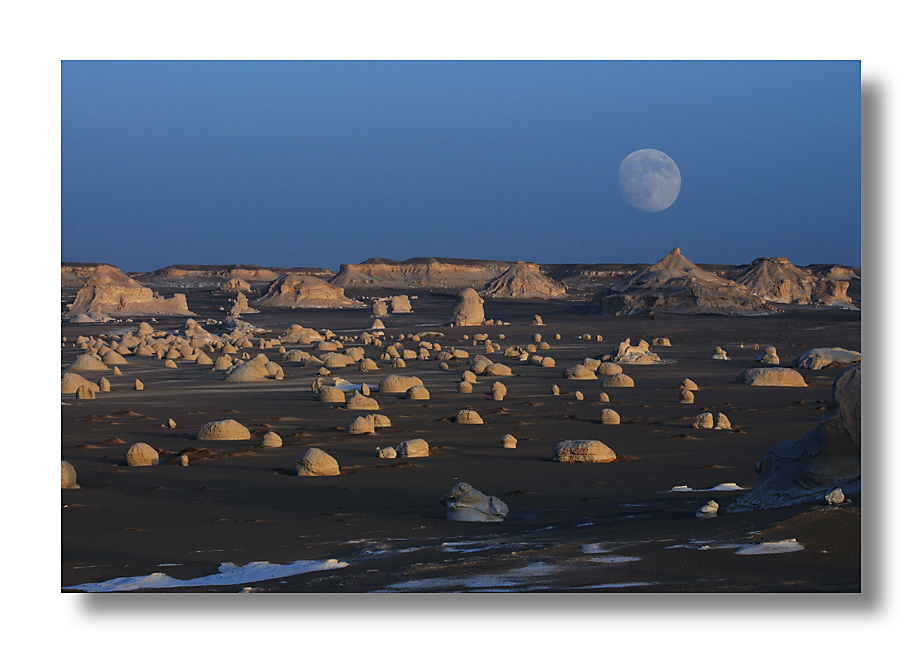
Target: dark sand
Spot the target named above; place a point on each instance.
(611, 527)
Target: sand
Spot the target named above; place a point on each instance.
(613, 527)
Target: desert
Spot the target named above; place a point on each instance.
(462, 425)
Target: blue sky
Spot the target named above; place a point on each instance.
(317, 163)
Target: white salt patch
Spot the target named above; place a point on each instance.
(228, 574)
(614, 559)
(595, 548)
(782, 546)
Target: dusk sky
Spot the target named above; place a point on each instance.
(318, 163)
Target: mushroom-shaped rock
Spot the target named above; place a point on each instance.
(68, 476)
(415, 448)
(468, 309)
(396, 384)
(468, 416)
(618, 381)
(141, 454)
(579, 372)
(418, 393)
(583, 451)
(361, 425)
(610, 416)
(703, 421)
(225, 429)
(358, 401)
(772, 376)
(316, 462)
(271, 440)
(508, 441)
(464, 503)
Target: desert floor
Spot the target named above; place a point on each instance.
(614, 527)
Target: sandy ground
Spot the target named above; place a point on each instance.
(614, 527)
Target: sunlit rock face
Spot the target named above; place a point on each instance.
(523, 281)
(304, 291)
(468, 309)
(826, 459)
(112, 294)
(676, 285)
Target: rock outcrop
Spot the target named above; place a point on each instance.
(417, 273)
(468, 309)
(523, 281)
(112, 294)
(772, 376)
(826, 459)
(676, 285)
(817, 359)
(296, 290)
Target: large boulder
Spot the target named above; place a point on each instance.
(464, 503)
(71, 381)
(583, 451)
(227, 429)
(772, 376)
(141, 454)
(827, 458)
(396, 384)
(468, 309)
(415, 448)
(817, 359)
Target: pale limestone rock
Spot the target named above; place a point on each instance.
(226, 429)
(386, 452)
(415, 448)
(579, 372)
(138, 385)
(358, 401)
(141, 454)
(464, 503)
(364, 425)
(271, 440)
(610, 416)
(703, 421)
(316, 462)
(508, 441)
(583, 451)
(418, 393)
(618, 381)
(688, 397)
(468, 416)
(772, 376)
(68, 476)
(707, 510)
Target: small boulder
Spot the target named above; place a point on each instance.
(316, 462)
(467, 416)
(583, 451)
(703, 421)
(415, 448)
(68, 476)
(271, 440)
(141, 454)
(708, 510)
(610, 416)
(227, 429)
(464, 503)
(508, 441)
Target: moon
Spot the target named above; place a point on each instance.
(649, 180)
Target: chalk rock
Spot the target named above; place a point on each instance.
(835, 497)
(226, 429)
(555, 390)
(395, 384)
(817, 359)
(85, 392)
(688, 384)
(331, 395)
(722, 422)
(610, 416)
(707, 510)
(364, 425)
(772, 376)
(497, 369)
(68, 476)
(271, 440)
(464, 503)
(704, 421)
(138, 385)
(415, 448)
(418, 393)
(639, 354)
(386, 452)
(468, 309)
(583, 451)
(769, 357)
(71, 381)
(720, 354)
(688, 397)
(87, 363)
(618, 381)
(468, 416)
(508, 441)
(579, 372)
(578, 395)
(609, 369)
(316, 462)
(358, 401)
(141, 454)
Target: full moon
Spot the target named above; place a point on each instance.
(649, 180)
